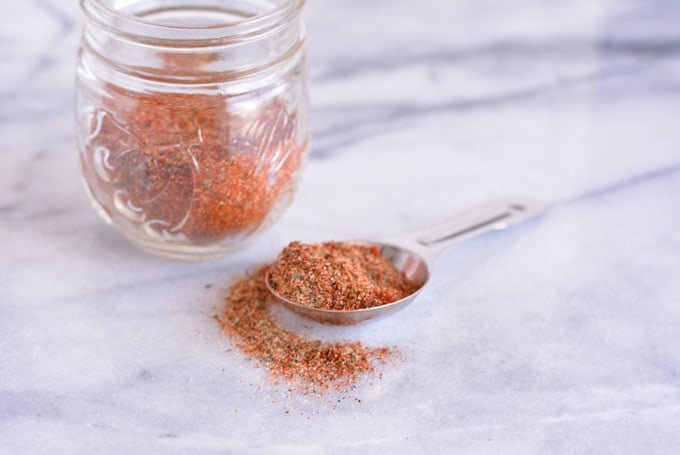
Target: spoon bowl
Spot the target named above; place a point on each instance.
(412, 265)
(414, 256)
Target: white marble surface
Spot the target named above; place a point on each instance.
(560, 336)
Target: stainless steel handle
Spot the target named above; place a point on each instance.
(494, 215)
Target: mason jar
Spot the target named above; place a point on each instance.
(192, 118)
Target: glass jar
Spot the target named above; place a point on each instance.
(192, 118)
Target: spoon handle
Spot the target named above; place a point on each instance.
(494, 215)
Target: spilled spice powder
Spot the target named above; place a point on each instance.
(337, 276)
(302, 363)
(190, 167)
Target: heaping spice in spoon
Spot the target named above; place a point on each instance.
(337, 276)
(306, 365)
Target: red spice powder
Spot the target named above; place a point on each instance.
(304, 364)
(186, 165)
(337, 276)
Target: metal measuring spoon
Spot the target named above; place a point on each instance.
(414, 255)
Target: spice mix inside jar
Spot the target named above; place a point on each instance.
(192, 118)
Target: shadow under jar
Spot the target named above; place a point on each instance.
(192, 118)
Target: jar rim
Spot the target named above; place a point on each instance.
(103, 13)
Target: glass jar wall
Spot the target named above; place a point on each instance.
(192, 118)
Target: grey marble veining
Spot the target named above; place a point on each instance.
(558, 336)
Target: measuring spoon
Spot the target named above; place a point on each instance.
(414, 255)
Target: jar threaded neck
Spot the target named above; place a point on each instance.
(193, 42)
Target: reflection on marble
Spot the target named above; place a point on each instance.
(559, 336)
